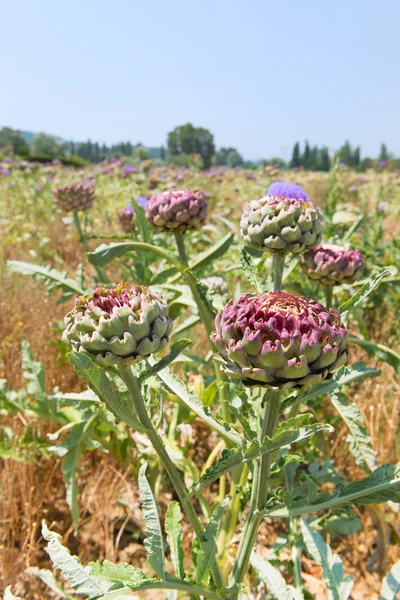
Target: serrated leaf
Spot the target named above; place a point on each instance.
(48, 578)
(359, 439)
(98, 381)
(250, 270)
(74, 444)
(81, 578)
(207, 555)
(174, 352)
(106, 253)
(53, 279)
(381, 486)
(201, 290)
(230, 459)
(274, 582)
(379, 352)
(339, 587)
(372, 284)
(32, 371)
(174, 533)
(118, 573)
(174, 385)
(391, 583)
(154, 542)
(344, 376)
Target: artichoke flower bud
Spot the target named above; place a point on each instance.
(288, 190)
(331, 264)
(216, 285)
(125, 217)
(124, 323)
(279, 340)
(281, 225)
(74, 197)
(176, 211)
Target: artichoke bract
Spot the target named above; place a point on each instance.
(287, 190)
(124, 323)
(279, 340)
(176, 211)
(333, 264)
(74, 197)
(281, 225)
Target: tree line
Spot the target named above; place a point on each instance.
(186, 145)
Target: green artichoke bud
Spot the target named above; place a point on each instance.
(281, 225)
(279, 340)
(123, 323)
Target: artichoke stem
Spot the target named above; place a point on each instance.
(133, 386)
(82, 238)
(277, 267)
(328, 295)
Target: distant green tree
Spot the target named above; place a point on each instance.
(324, 160)
(229, 157)
(346, 154)
(10, 138)
(384, 154)
(47, 145)
(306, 158)
(162, 153)
(356, 156)
(296, 157)
(187, 139)
(140, 153)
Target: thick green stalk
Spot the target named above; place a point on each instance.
(267, 426)
(328, 295)
(82, 238)
(133, 386)
(278, 266)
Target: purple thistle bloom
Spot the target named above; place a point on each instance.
(341, 164)
(277, 165)
(382, 163)
(38, 188)
(7, 160)
(129, 169)
(381, 207)
(56, 161)
(141, 200)
(363, 180)
(5, 172)
(287, 190)
(10, 185)
(353, 188)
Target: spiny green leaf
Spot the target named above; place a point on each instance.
(274, 582)
(233, 458)
(121, 573)
(33, 371)
(381, 486)
(391, 583)
(339, 587)
(379, 352)
(202, 291)
(82, 579)
(174, 352)
(174, 532)
(48, 578)
(366, 289)
(359, 439)
(344, 376)
(208, 550)
(250, 270)
(154, 542)
(53, 279)
(106, 253)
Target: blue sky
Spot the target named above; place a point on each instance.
(259, 74)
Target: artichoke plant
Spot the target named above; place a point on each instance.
(125, 217)
(287, 190)
(124, 323)
(279, 340)
(331, 264)
(74, 197)
(176, 211)
(281, 225)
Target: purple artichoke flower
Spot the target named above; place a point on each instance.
(124, 323)
(142, 201)
(176, 211)
(280, 225)
(279, 340)
(333, 264)
(287, 190)
(353, 188)
(125, 217)
(74, 197)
